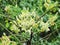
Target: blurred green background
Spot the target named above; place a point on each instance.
(30, 22)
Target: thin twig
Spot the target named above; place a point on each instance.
(9, 32)
(50, 34)
(10, 19)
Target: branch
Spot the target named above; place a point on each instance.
(9, 32)
(50, 34)
(10, 19)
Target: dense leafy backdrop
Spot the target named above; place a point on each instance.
(18, 18)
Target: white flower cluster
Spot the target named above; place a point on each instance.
(29, 20)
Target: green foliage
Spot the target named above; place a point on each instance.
(18, 18)
(12, 10)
